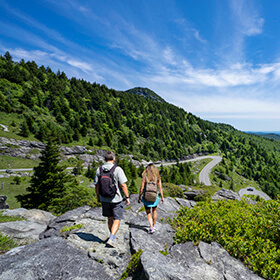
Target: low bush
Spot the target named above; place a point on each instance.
(248, 232)
(172, 190)
(74, 197)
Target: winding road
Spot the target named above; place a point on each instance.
(203, 176)
(253, 191)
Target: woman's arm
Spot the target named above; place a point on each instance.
(141, 189)
(160, 190)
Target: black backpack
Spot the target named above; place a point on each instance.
(107, 185)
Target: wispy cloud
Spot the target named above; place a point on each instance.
(247, 19)
(236, 75)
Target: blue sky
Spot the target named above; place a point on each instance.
(219, 60)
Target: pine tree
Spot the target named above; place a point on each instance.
(24, 129)
(48, 182)
(90, 142)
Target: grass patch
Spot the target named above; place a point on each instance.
(7, 162)
(142, 209)
(7, 243)
(236, 183)
(64, 229)
(11, 190)
(6, 219)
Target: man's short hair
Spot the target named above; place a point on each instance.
(109, 156)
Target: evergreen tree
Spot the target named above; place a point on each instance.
(24, 129)
(48, 182)
(90, 142)
(78, 169)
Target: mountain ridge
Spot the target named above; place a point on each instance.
(146, 92)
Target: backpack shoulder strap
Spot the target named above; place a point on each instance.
(100, 170)
(112, 170)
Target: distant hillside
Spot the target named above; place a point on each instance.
(267, 135)
(146, 93)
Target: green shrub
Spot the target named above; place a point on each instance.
(248, 232)
(172, 190)
(74, 197)
(134, 267)
(202, 197)
(64, 229)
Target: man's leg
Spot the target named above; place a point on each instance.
(114, 222)
(115, 227)
(110, 223)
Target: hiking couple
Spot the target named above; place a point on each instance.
(111, 198)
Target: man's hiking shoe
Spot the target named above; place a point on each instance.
(111, 243)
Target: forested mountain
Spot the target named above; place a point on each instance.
(267, 135)
(146, 93)
(43, 103)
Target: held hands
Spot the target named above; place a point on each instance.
(162, 200)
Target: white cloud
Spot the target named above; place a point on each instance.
(198, 37)
(81, 65)
(230, 105)
(236, 75)
(247, 19)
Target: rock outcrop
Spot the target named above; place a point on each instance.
(33, 149)
(81, 253)
(226, 195)
(26, 231)
(3, 204)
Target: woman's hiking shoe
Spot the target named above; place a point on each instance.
(151, 230)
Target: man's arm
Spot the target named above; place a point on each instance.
(125, 191)
(97, 192)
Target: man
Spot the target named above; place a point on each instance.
(112, 207)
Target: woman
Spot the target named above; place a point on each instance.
(151, 174)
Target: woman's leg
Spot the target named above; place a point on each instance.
(149, 216)
(154, 215)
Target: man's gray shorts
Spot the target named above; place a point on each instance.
(114, 210)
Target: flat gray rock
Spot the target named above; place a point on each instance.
(185, 203)
(34, 215)
(49, 259)
(225, 195)
(157, 266)
(219, 258)
(22, 231)
(161, 239)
